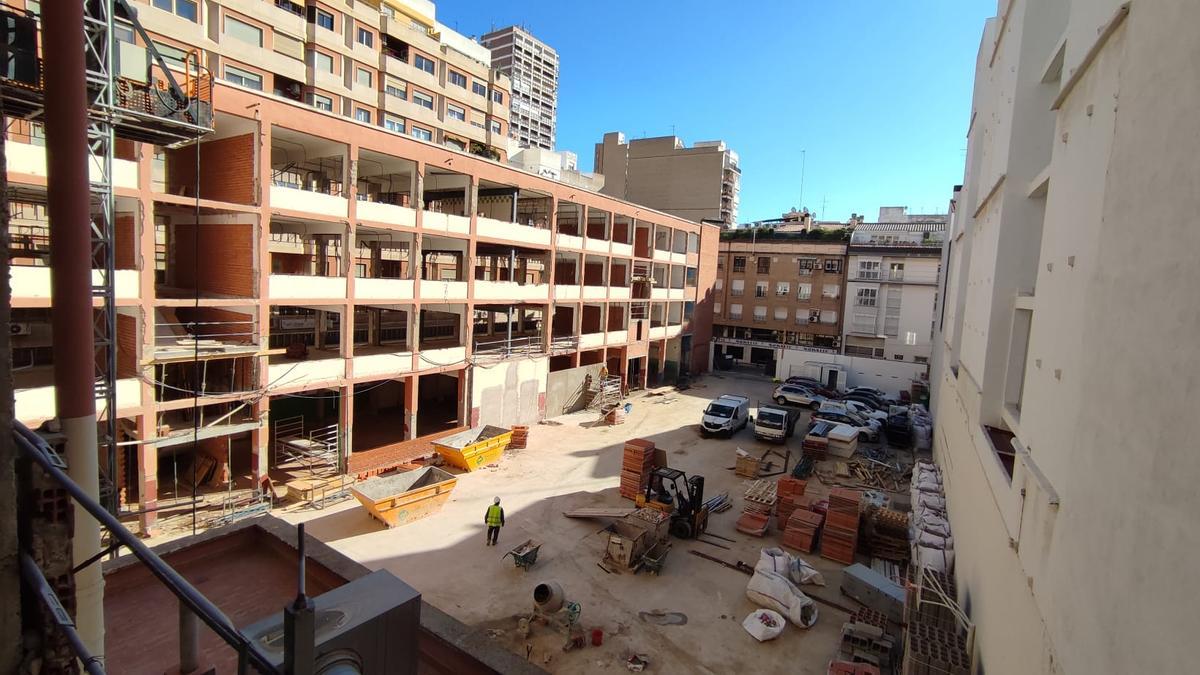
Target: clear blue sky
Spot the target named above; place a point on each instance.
(877, 93)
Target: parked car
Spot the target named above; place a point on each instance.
(809, 382)
(865, 410)
(725, 415)
(775, 423)
(866, 399)
(877, 393)
(837, 412)
(797, 395)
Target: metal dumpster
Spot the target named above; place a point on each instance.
(474, 448)
(403, 497)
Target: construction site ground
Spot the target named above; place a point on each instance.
(574, 461)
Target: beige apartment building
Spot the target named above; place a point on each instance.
(532, 67)
(700, 183)
(300, 273)
(1065, 362)
(777, 295)
(387, 63)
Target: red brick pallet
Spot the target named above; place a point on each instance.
(839, 539)
(789, 491)
(801, 530)
(636, 463)
(520, 437)
(753, 523)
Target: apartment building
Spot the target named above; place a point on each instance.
(532, 67)
(700, 183)
(299, 273)
(387, 63)
(777, 296)
(891, 289)
(1065, 360)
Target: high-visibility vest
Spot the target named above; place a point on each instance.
(495, 516)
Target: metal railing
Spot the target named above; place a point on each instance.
(566, 343)
(170, 334)
(190, 599)
(509, 347)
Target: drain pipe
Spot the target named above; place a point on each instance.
(71, 286)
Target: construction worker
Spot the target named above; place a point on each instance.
(494, 519)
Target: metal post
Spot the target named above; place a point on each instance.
(299, 623)
(189, 640)
(71, 284)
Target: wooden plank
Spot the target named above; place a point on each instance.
(600, 512)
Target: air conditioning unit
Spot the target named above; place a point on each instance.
(372, 623)
(19, 329)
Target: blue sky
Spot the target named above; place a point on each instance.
(876, 93)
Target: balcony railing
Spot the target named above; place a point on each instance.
(190, 599)
(507, 348)
(736, 293)
(564, 343)
(759, 319)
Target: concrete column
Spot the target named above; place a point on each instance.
(373, 319)
(260, 451)
(147, 471)
(410, 407)
(418, 187)
(513, 211)
(346, 425)
(464, 398)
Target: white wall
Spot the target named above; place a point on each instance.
(890, 376)
(510, 392)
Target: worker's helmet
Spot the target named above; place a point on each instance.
(496, 500)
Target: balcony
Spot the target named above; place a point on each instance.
(307, 174)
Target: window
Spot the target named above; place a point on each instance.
(457, 145)
(693, 245)
(397, 89)
(828, 316)
(720, 284)
(910, 337)
(735, 311)
(764, 265)
(423, 134)
(782, 288)
(760, 289)
(498, 96)
(393, 123)
(689, 277)
(868, 269)
(320, 17)
(495, 126)
(362, 115)
(739, 264)
(814, 315)
(181, 8)
(321, 102)
(243, 78)
(921, 359)
(738, 288)
(898, 357)
(422, 99)
(781, 313)
(721, 262)
(866, 297)
(423, 63)
(288, 46)
(457, 79)
(805, 291)
(456, 112)
(760, 313)
(830, 290)
(716, 308)
(896, 271)
(807, 265)
(833, 265)
(478, 88)
(363, 76)
(322, 61)
(175, 57)
(365, 37)
(240, 30)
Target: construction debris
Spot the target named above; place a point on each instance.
(520, 437)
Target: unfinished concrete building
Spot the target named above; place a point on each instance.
(312, 295)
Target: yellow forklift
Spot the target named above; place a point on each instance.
(680, 497)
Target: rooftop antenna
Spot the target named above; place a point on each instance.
(823, 200)
(803, 162)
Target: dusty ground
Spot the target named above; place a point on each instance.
(570, 463)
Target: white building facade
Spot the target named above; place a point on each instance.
(891, 290)
(533, 67)
(1066, 363)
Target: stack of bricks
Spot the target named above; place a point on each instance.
(636, 464)
(839, 540)
(845, 668)
(864, 643)
(871, 617)
(933, 651)
(801, 530)
(756, 514)
(788, 491)
(520, 437)
(886, 534)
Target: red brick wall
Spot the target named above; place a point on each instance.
(127, 242)
(128, 352)
(231, 244)
(702, 316)
(226, 170)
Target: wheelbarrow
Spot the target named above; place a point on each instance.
(524, 554)
(653, 559)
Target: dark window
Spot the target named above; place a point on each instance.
(764, 265)
(182, 8)
(320, 17)
(458, 79)
(739, 264)
(423, 63)
(479, 88)
(498, 96)
(366, 37)
(833, 265)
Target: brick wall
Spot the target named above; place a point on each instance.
(127, 242)
(227, 171)
(702, 313)
(232, 244)
(127, 346)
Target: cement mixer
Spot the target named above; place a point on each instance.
(551, 606)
